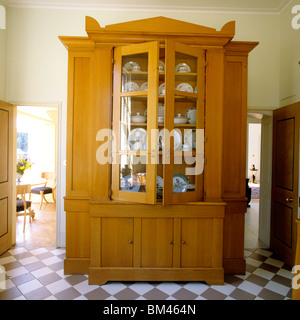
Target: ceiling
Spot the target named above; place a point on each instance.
(48, 114)
(210, 6)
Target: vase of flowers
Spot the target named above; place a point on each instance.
(23, 163)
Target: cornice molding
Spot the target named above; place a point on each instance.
(85, 5)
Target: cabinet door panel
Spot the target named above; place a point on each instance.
(135, 92)
(185, 86)
(157, 242)
(117, 242)
(196, 242)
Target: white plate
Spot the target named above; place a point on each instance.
(191, 114)
(161, 89)
(130, 183)
(159, 181)
(161, 67)
(137, 139)
(182, 67)
(144, 86)
(177, 140)
(132, 66)
(131, 86)
(185, 87)
(161, 110)
(189, 138)
(179, 183)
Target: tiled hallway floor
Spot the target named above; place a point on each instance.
(38, 274)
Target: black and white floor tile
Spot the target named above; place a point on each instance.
(38, 275)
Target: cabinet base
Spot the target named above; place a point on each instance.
(213, 276)
(76, 265)
(234, 266)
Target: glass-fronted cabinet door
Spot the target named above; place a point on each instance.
(183, 138)
(135, 99)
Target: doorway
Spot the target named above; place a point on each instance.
(259, 173)
(37, 141)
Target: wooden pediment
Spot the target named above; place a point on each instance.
(155, 28)
(157, 25)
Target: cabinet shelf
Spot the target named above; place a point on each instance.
(161, 125)
(145, 73)
(140, 94)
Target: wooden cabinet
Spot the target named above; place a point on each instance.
(117, 242)
(151, 107)
(157, 241)
(141, 203)
(133, 242)
(196, 246)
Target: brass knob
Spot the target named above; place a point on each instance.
(289, 199)
(183, 242)
(130, 241)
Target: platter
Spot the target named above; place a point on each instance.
(161, 110)
(191, 114)
(130, 183)
(182, 67)
(161, 66)
(137, 139)
(190, 139)
(132, 66)
(179, 183)
(185, 87)
(177, 140)
(161, 89)
(131, 86)
(159, 181)
(144, 86)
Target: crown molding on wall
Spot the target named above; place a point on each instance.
(70, 5)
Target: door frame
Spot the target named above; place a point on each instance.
(60, 172)
(264, 222)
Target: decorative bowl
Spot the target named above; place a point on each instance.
(180, 119)
(138, 118)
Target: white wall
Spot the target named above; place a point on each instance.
(289, 56)
(254, 141)
(3, 48)
(37, 61)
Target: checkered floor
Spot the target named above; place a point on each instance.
(38, 275)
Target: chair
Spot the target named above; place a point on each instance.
(44, 189)
(23, 204)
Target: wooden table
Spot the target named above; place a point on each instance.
(33, 182)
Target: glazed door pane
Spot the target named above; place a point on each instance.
(184, 134)
(134, 117)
